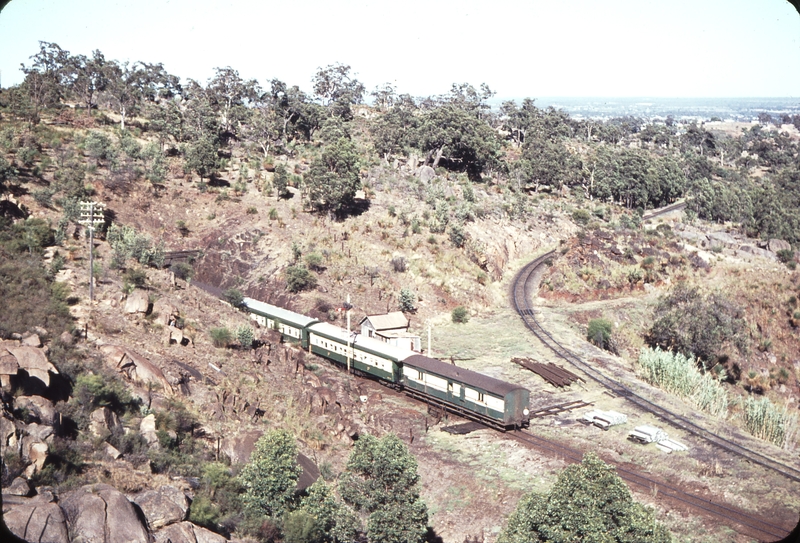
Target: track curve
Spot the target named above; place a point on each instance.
(521, 299)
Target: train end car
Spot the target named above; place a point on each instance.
(367, 355)
(466, 392)
(292, 326)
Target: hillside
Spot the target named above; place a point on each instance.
(141, 391)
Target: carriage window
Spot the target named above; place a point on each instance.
(480, 396)
(419, 375)
(449, 388)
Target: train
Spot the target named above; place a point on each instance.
(496, 403)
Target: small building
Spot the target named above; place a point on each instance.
(391, 328)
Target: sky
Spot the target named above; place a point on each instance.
(520, 48)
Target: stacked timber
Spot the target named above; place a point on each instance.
(555, 375)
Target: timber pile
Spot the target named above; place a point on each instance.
(555, 375)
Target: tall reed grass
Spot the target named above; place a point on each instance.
(764, 419)
(680, 375)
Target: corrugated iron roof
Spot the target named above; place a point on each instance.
(389, 321)
(462, 375)
(278, 312)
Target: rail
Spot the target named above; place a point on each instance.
(521, 299)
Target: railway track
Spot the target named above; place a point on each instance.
(749, 525)
(521, 288)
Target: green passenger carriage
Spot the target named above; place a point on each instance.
(292, 326)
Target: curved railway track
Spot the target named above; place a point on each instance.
(750, 525)
(521, 288)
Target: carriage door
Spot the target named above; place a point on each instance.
(449, 389)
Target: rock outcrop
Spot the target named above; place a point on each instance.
(102, 514)
(35, 519)
(137, 302)
(186, 532)
(136, 367)
(31, 359)
(163, 507)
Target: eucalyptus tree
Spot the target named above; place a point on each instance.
(87, 77)
(45, 79)
(229, 96)
(337, 89)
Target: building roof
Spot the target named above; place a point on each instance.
(462, 375)
(400, 334)
(360, 340)
(276, 312)
(389, 321)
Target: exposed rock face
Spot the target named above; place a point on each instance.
(186, 532)
(35, 520)
(426, 173)
(167, 312)
(776, 245)
(137, 302)
(41, 407)
(30, 359)
(148, 429)
(102, 514)
(137, 367)
(31, 340)
(240, 447)
(103, 421)
(8, 433)
(164, 506)
(19, 487)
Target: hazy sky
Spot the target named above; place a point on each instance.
(521, 48)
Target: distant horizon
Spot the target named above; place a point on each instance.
(581, 48)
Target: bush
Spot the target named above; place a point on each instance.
(697, 325)
(182, 270)
(459, 315)
(407, 300)
(399, 264)
(234, 297)
(127, 244)
(599, 332)
(245, 336)
(581, 216)
(299, 278)
(457, 236)
(220, 337)
(134, 278)
(314, 261)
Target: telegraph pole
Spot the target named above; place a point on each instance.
(91, 216)
(348, 333)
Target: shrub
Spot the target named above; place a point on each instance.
(407, 300)
(599, 332)
(581, 216)
(698, 325)
(220, 337)
(459, 315)
(273, 214)
(314, 261)
(134, 278)
(457, 236)
(399, 264)
(127, 244)
(234, 297)
(299, 278)
(245, 336)
(182, 270)
(785, 255)
(252, 210)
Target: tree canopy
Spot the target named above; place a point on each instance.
(381, 481)
(587, 503)
(270, 478)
